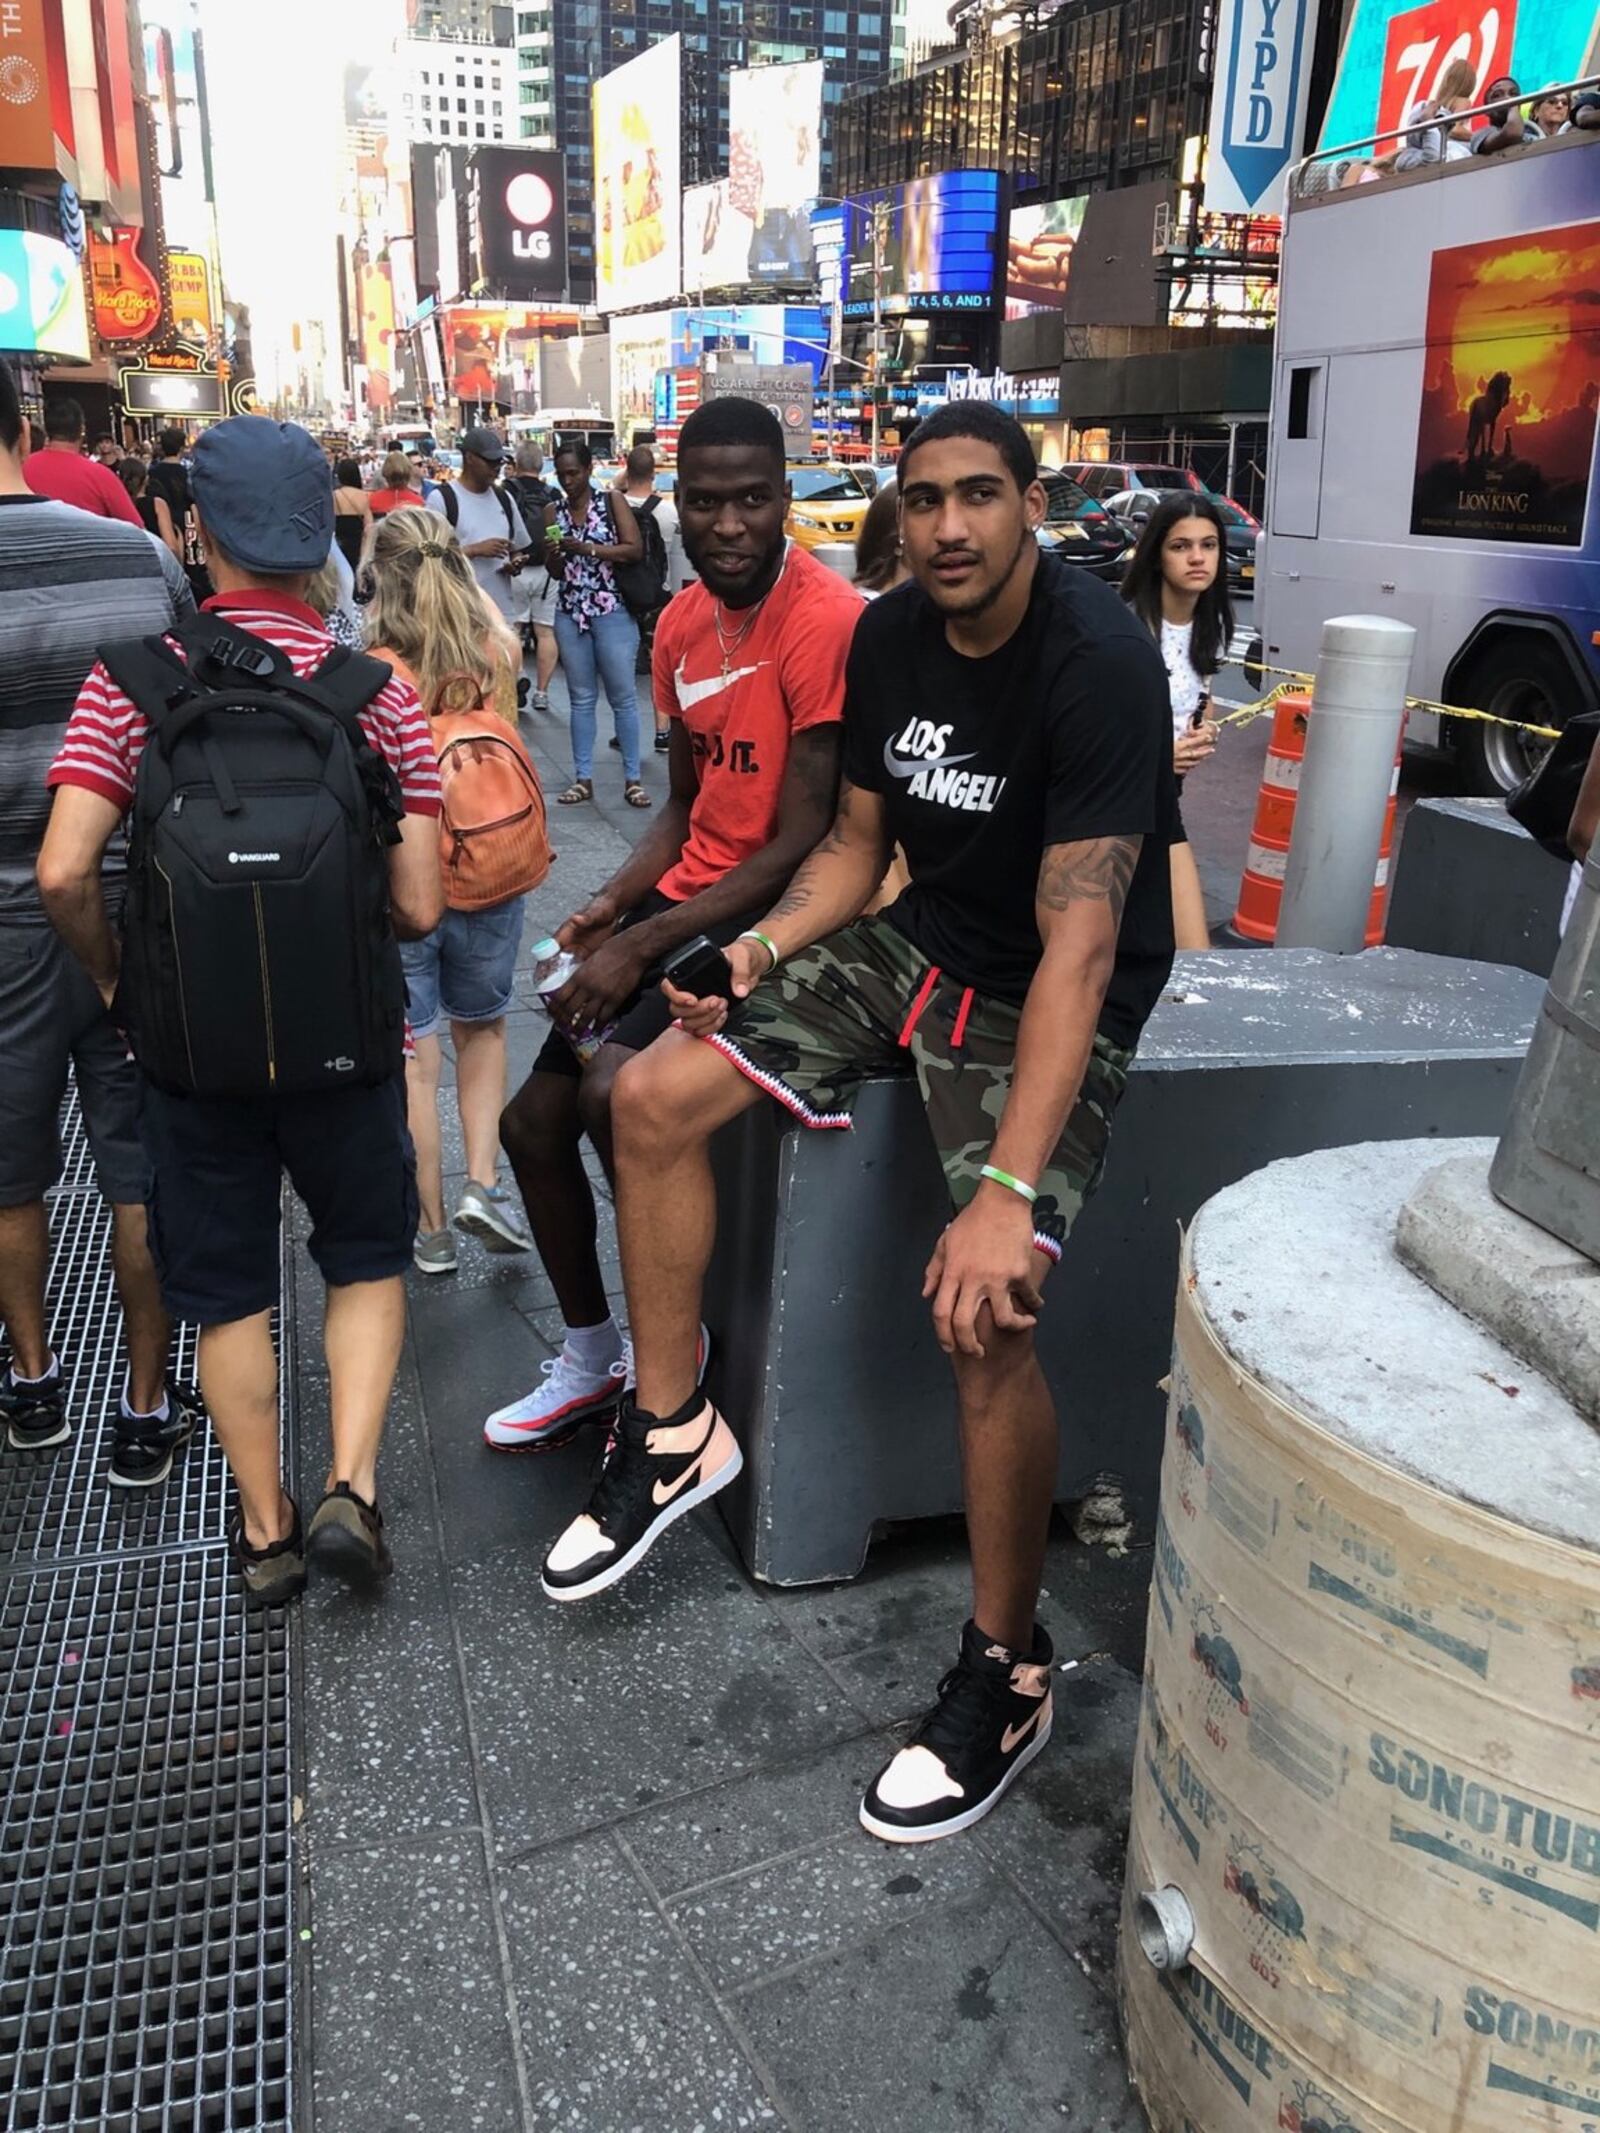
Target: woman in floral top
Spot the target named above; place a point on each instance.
(599, 639)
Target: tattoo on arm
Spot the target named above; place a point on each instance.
(1096, 871)
(799, 892)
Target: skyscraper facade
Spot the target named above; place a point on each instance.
(564, 46)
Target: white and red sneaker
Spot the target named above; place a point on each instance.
(566, 1398)
(991, 1720)
(654, 1472)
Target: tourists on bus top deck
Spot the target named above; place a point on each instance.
(1549, 113)
(1507, 128)
(1586, 111)
(1433, 132)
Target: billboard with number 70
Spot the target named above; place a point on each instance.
(1393, 56)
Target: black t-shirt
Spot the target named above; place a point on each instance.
(1064, 733)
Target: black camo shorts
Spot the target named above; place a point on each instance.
(864, 1003)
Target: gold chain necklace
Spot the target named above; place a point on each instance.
(727, 645)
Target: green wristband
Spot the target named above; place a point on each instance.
(750, 934)
(1004, 1177)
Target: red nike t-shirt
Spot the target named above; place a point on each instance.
(786, 675)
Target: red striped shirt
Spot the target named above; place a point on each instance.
(106, 733)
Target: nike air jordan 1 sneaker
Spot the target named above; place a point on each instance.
(991, 1720)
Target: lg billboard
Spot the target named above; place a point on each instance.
(519, 222)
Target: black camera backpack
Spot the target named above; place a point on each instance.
(258, 956)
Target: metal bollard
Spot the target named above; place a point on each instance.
(1358, 707)
(1547, 1165)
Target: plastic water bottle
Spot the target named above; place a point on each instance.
(552, 966)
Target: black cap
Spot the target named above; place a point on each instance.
(484, 443)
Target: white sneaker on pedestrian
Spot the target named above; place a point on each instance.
(702, 1360)
(567, 1397)
(490, 1213)
(434, 1251)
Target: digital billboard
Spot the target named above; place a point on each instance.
(716, 238)
(775, 164)
(939, 249)
(519, 221)
(638, 228)
(42, 311)
(1393, 55)
(1039, 245)
(491, 351)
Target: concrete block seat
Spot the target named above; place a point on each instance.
(827, 1367)
(1471, 882)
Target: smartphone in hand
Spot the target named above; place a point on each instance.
(700, 968)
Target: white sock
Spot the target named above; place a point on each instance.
(130, 1413)
(49, 1377)
(595, 1348)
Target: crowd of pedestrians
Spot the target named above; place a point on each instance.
(249, 873)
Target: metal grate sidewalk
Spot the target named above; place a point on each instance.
(146, 1883)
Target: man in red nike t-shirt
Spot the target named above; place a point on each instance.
(750, 664)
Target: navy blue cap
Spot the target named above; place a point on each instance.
(265, 492)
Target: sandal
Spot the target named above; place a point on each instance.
(635, 794)
(577, 792)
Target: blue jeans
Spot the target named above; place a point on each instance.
(607, 649)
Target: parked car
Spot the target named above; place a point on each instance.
(827, 503)
(1108, 477)
(1080, 532)
(1132, 507)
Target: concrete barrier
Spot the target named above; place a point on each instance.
(828, 1368)
(1470, 882)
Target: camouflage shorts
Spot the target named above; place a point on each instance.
(864, 1003)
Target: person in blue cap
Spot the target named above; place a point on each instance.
(265, 499)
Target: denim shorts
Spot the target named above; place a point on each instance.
(464, 969)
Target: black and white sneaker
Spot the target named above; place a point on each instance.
(654, 1472)
(991, 1720)
(34, 1410)
(143, 1447)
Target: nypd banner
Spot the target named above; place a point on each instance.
(1263, 69)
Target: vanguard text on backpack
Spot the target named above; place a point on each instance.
(258, 957)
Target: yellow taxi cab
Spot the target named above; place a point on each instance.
(828, 503)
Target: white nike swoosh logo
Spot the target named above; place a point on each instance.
(691, 693)
(907, 766)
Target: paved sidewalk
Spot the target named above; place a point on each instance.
(598, 1867)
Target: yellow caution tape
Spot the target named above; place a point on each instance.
(1246, 714)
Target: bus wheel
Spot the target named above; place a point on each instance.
(1521, 677)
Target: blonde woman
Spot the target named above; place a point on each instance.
(429, 619)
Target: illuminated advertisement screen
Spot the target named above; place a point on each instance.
(42, 311)
(1394, 55)
(716, 238)
(638, 226)
(486, 346)
(775, 165)
(939, 249)
(1039, 245)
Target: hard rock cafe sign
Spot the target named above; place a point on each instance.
(127, 296)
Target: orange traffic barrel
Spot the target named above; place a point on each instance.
(1266, 862)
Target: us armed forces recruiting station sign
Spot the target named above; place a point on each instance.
(1505, 440)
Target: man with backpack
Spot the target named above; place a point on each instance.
(282, 795)
(657, 519)
(532, 495)
(488, 524)
(65, 577)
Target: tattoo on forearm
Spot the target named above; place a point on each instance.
(1096, 871)
(795, 897)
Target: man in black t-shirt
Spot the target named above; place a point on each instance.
(1007, 725)
(169, 479)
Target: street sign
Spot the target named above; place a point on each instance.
(1258, 103)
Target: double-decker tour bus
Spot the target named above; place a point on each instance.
(1434, 411)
